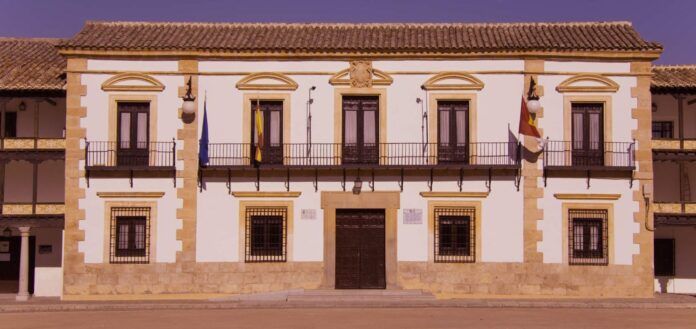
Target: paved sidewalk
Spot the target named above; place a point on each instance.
(54, 305)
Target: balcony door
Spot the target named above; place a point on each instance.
(588, 134)
(133, 134)
(272, 143)
(360, 129)
(453, 131)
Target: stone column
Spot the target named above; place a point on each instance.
(23, 294)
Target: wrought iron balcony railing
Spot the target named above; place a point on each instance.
(484, 155)
(592, 155)
(139, 155)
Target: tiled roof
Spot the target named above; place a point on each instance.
(674, 78)
(31, 64)
(359, 38)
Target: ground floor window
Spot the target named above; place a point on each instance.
(664, 257)
(266, 234)
(130, 235)
(588, 237)
(455, 235)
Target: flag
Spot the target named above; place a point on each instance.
(259, 133)
(527, 126)
(203, 158)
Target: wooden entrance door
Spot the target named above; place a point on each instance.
(360, 255)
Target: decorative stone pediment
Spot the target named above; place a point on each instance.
(453, 81)
(266, 81)
(583, 83)
(132, 81)
(361, 74)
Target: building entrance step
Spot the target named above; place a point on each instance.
(331, 295)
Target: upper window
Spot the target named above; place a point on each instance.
(271, 121)
(10, 124)
(453, 131)
(266, 234)
(130, 235)
(133, 134)
(360, 129)
(455, 235)
(588, 134)
(662, 129)
(588, 237)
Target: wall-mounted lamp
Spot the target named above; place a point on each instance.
(533, 104)
(22, 106)
(7, 232)
(189, 107)
(357, 185)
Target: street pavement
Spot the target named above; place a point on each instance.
(337, 318)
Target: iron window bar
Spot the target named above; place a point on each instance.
(129, 235)
(455, 235)
(588, 237)
(265, 235)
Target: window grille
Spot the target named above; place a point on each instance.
(455, 235)
(588, 234)
(266, 234)
(130, 235)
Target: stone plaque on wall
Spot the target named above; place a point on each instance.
(413, 216)
(308, 214)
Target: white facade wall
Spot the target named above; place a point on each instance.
(163, 233)
(553, 127)
(497, 107)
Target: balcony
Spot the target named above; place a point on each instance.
(599, 158)
(151, 159)
(675, 212)
(33, 209)
(666, 149)
(496, 155)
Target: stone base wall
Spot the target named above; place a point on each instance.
(199, 278)
(514, 279)
(511, 279)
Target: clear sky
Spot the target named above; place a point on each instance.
(670, 22)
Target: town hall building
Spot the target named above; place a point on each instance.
(210, 159)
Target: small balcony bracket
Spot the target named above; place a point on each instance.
(174, 177)
(343, 182)
(316, 179)
(630, 180)
(258, 179)
(401, 180)
(372, 180)
(287, 180)
(490, 179)
(131, 178)
(589, 176)
(460, 182)
(546, 174)
(200, 180)
(518, 178)
(430, 180)
(87, 177)
(229, 181)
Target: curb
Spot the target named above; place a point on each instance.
(85, 307)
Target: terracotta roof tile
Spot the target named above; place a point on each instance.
(31, 64)
(674, 78)
(359, 38)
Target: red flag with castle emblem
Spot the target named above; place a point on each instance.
(527, 126)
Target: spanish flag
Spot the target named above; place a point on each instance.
(527, 125)
(259, 133)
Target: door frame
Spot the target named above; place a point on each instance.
(338, 114)
(387, 200)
